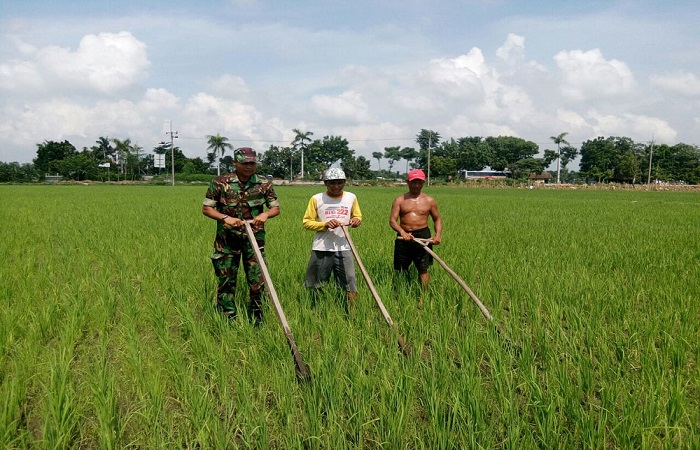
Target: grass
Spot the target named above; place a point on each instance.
(108, 337)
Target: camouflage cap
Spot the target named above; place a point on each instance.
(244, 155)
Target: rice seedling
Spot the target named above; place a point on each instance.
(109, 337)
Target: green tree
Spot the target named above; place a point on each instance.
(198, 165)
(122, 150)
(189, 168)
(522, 168)
(324, 153)
(442, 166)
(378, 156)
(356, 168)
(687, 167)
(49, 153)
(427, 139)
(227, 164)
(559, 140)
(278, 161)
(568, 154)
(79, 166)
(299, 144)
(393, 154)
(135, 163)
(549, 156)
(628, 168)
(180, 160)
(469, 153)
(505, 151)
(149, 164)
(408, 154)
(680, 162)
(103, 151)
(218, 144)
(15, 173)
(600, 157)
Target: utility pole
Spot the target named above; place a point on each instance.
(430, 144)
(173, 134)
(651, 153)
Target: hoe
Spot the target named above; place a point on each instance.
(302, 370)
(402, 345)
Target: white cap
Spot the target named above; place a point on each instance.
(334, 174)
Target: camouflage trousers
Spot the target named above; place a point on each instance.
(226, 270)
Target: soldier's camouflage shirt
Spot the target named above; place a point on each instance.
(228, 195)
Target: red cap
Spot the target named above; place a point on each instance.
(416, 174)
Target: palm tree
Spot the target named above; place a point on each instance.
(378, 156)
(559, 140)
(104, 146)
(218, 144)
(300, 142)
(123, 149)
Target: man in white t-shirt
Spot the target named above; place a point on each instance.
(330, 251)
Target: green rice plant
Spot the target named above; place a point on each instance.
(109, 336)
(105, 402)
(59, 429)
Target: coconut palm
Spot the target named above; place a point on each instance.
(122, 149)
(299, 142)
(559, 140)
(218, 144)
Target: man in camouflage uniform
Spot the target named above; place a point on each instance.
(230, 200)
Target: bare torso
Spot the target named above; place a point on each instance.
(414, 211)
(410, 212)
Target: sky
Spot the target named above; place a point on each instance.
(373, 72)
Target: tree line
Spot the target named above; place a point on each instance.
(603, 159)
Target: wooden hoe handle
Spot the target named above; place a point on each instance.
(302, 370)
(482, 308)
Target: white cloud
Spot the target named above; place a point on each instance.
(155, 100)
(348, 106)
(228, 85)
(635, 126)
(463, 125)
(588, 75)
(23, 47)
(380, 78)
(106, 62)
(20, 76)
(513, 49)
(573, 122)
(206, 114)
(460, 77)
(683, 83)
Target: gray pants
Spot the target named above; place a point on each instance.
(321, 264)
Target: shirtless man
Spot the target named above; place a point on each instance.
(409, 218)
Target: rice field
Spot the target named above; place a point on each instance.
(109, 338)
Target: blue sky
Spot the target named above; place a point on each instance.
(375, 72)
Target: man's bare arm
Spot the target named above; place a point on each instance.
(394, 219)
(437, 221)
